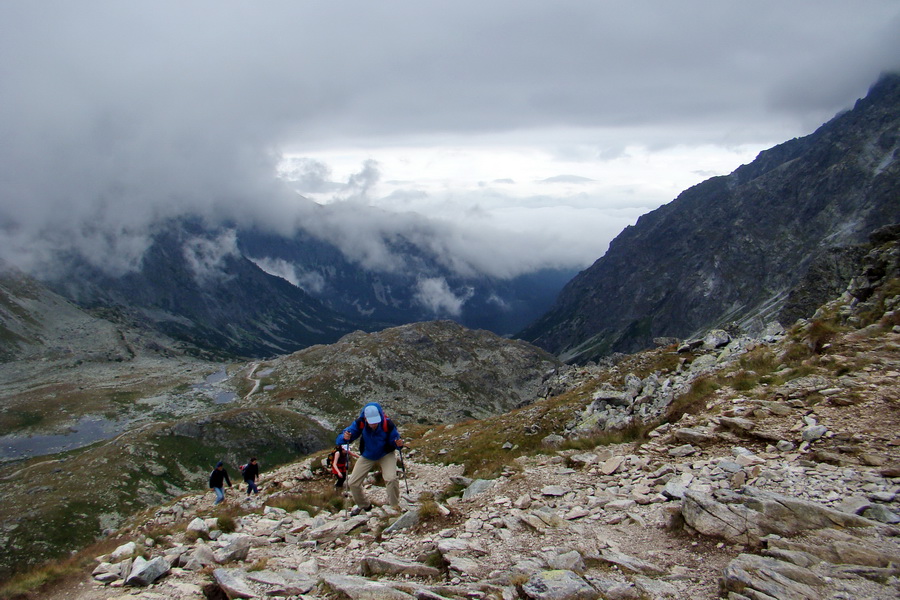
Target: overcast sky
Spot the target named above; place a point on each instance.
(510, 134)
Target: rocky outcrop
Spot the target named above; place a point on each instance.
(434, 372)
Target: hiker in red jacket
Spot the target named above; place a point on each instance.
(340, 461)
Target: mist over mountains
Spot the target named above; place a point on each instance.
(251, 292)
(737, 248)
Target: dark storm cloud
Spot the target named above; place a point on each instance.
(117, 115)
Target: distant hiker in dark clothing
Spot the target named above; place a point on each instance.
(379, 440)
(340, 460)
(251, 472)
(217, 479)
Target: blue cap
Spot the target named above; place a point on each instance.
(372, 415)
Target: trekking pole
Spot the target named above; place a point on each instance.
(403, 468)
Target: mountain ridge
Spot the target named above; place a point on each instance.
(733, 247)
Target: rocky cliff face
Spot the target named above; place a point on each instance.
(734, 248)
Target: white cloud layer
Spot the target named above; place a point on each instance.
(508, 135)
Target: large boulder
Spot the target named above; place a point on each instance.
(360, 588)
(775, 578)
(559, 585)
(144, 572)
(387, 564)
(234, 583)
(744, 518)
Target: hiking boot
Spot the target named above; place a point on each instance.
(360, 509)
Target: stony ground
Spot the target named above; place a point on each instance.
(789, 493)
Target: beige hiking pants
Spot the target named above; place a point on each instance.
(388, 464)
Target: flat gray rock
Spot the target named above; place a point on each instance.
(234, 583)
(559, 584)
(477, 487)
(360, 588)
(387, 564)
(145, 572)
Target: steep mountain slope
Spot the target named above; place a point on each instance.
(732, 248)
(37, 323)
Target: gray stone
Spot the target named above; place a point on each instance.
(466, 566)
(236, 549)
(612, 464)
(854, 505)
(703, 363)
(745, 518)
(387, 564)
(559, 585)
(655, 589)
(554, 490)
(693, 436)
(282, 583)
(834, 551)
(814, 432)
(145, 572)
(122, 552)
(407, 520)
(203, 555)
(785, 446)
(613, 590)
(717, 338)
(450, 546)
(198, 525)
(614, 397)
(674, 489)
(477, 487)
(883, 497)
(107, 572)
(359, 588)
(234, 583)
(682, 451)
(737, 423)
(773, 577)
(623, 504)
(583, 459)
(567, 561)
(881, 513)
(629, 563)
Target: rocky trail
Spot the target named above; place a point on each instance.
(794, 495)
(781, 480)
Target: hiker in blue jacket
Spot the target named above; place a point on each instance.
(379, 440)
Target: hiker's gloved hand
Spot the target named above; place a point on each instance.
(399, 443)
(347, 435)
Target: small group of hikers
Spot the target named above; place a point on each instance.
(219, 477)
(378, 439)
